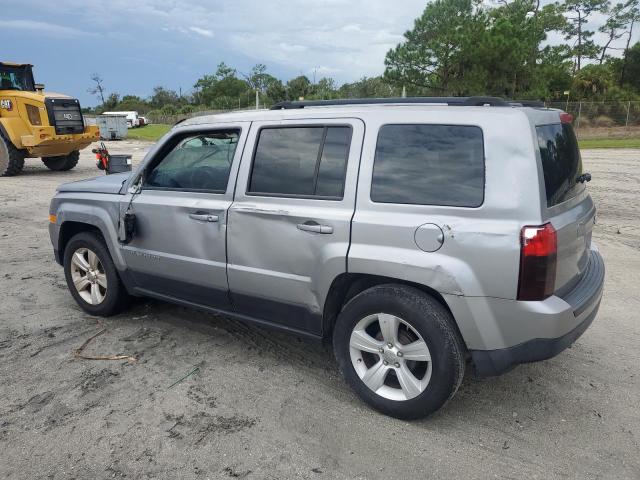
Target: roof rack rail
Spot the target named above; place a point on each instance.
(452, 101)
(527, 103)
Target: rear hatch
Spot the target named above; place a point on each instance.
(569, 207)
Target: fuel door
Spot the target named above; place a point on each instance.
(429, 237)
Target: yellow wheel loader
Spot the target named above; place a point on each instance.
(38, 124)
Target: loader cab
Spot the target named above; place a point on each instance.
(14, 76)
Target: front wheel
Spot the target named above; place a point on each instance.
(92, 277)
(63, 162)
(397, 347)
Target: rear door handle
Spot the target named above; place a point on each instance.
(203, 217)
(315, 228)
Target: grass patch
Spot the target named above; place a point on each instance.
(151, 132)
(610, 143)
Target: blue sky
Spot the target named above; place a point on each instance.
(138, 44)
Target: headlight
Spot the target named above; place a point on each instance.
(33, 113)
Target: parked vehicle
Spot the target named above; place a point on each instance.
(38, 124)
(142, 121)
(422, 236)
(133, 120)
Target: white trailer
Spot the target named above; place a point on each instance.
(132, 118)
(113, 127)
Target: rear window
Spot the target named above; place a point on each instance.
(561, 162)
(429, 165)
(301, 161)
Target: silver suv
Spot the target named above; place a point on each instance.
(421, 235)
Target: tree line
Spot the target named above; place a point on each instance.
(456, 47)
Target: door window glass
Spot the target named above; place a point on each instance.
(199, 162)
(301, 161)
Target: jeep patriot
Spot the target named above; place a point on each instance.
(421, 236)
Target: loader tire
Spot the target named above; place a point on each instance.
(11, 159)
(62, 163)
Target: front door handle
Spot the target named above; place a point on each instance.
(315, 228)
(203, 217)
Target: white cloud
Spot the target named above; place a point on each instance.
(347, 38)
(202, 31)
(42, 28)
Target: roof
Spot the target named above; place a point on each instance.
(11, 64)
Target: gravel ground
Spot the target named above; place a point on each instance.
(269, 405)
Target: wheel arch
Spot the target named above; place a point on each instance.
(68, 230)
(75, 220)
(347, 285)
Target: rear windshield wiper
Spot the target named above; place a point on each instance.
(585, 177)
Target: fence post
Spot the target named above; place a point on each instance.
(579, 113)
(626, 124)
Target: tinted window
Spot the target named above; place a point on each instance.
(333, 163)
(429, 165)
(197, 162)
(561, 162)
(304, 161)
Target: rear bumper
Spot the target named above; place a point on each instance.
(582, 305)
(489, 363)
(45, 142)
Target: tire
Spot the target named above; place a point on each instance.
(101, 283)
(412, 386)
(11, 159)
(62, 163)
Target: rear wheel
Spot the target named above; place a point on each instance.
(11, 159)
(62, 163)
(397, 347)
(92, 277)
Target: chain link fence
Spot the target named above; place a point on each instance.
(611, 117)
(617, 119)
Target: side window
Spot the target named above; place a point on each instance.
(301, 161)
(429, 165)
(198, 162)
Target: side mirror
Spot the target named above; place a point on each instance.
(39, 87)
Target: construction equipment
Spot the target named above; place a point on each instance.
(38, 124)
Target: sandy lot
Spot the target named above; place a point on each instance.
(268, 405)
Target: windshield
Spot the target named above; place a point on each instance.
(561, 162)
(15, 78)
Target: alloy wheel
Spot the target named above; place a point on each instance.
(390, 357)
(89, 278)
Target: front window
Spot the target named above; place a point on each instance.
(200, 162)
(15, 78)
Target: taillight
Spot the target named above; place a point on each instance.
(566, 117)
(538, 253)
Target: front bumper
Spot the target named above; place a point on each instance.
(45, 143)
(583, 302)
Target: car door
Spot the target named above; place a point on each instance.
(179, 246)
(290, 221)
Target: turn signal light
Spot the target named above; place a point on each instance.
(53, 218)
(538, 255)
